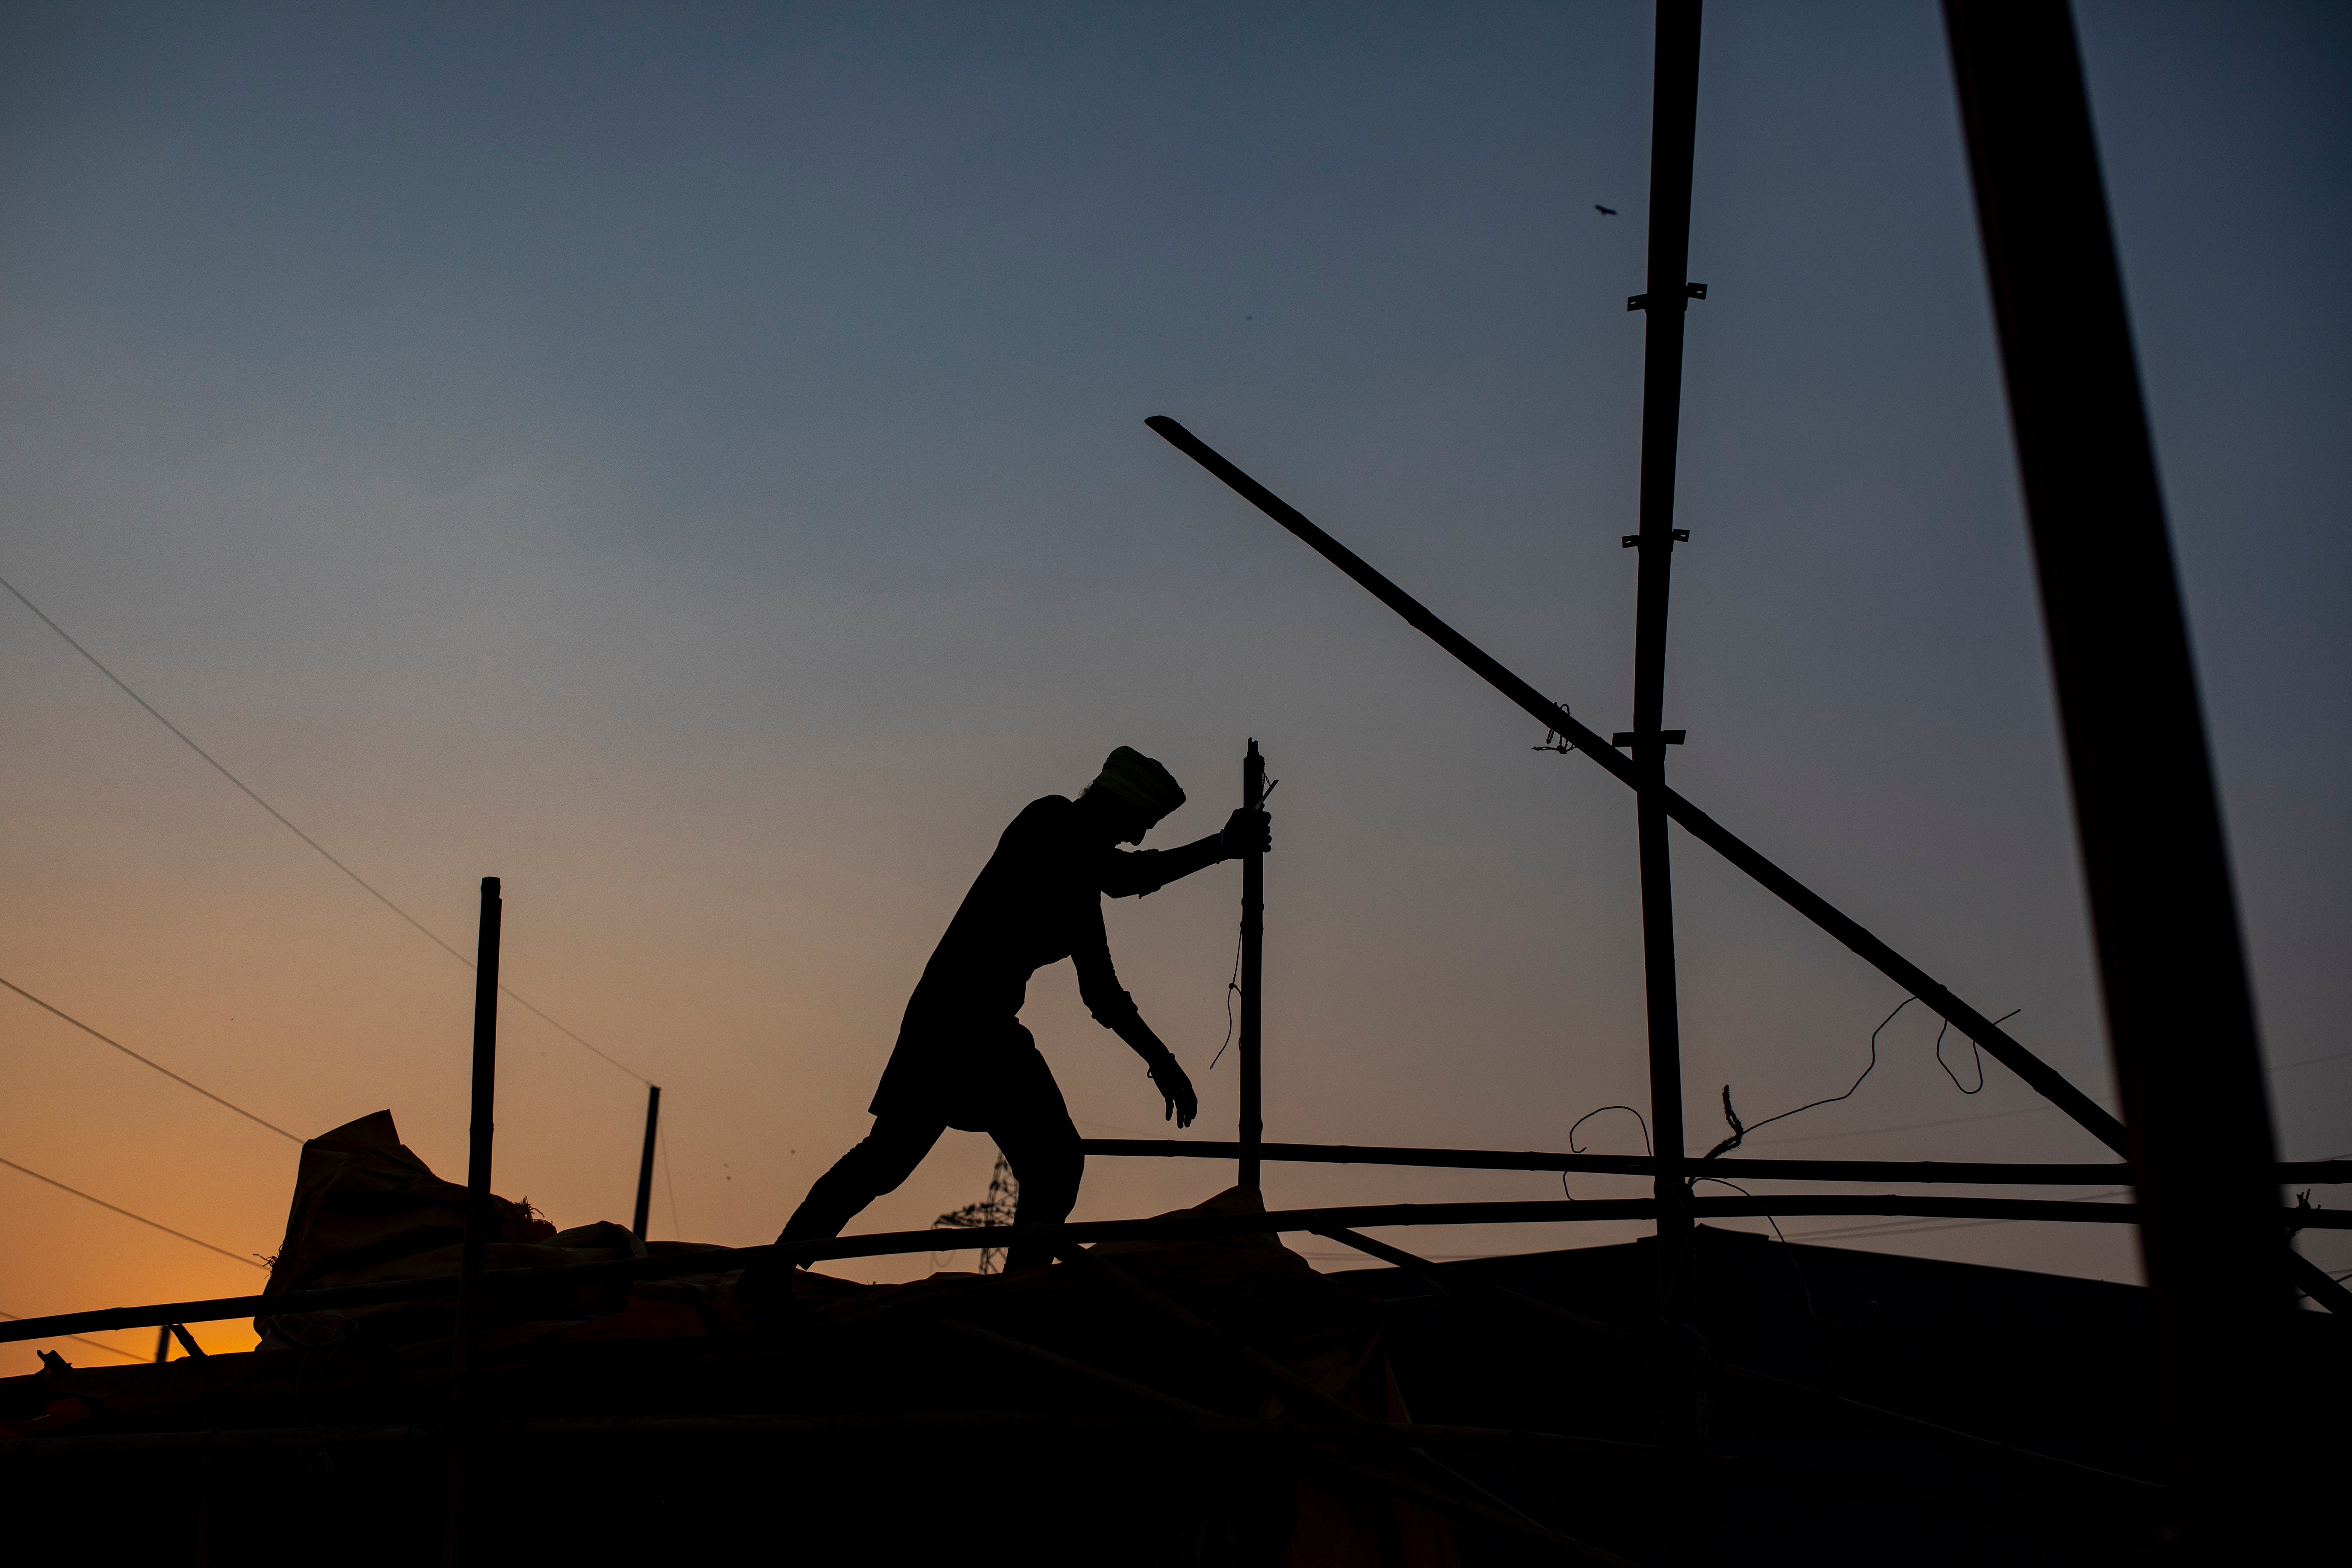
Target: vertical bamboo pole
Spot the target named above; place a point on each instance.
(1253, 1127)
(645, 1160)
(454, 1518)
(2180, 1007)
(1673, 125)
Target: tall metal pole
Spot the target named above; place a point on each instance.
(478, 1220)
(1674, 115)
(1674, 120)
(2180, 1018)
(1253, 1127)
(645, 1160)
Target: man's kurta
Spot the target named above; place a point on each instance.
(1037, 900)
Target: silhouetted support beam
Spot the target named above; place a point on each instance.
(2181, 1017)
(1159, 1228)
(1965, 1173)
(1253, 966)
(478, 1222)
(1673, 123)
(480, 1130)
(1673, 114)
(2045, 1079)
(646, 1161)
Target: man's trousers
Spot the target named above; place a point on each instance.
(1018, 1104)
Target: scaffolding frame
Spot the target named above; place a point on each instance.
(2196, 1142)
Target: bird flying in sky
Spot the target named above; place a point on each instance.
(1604, 212)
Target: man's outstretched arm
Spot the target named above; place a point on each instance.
(1175, 1085)
(1131, 873)
(1115, 1010)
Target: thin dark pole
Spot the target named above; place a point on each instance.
(645, 1160)
(1252, 1124)
(2180, 1018)
(1672, 128)
(1673, 117)
(478, 1219)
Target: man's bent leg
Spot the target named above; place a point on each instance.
(886, 1157)
(1032, 1126)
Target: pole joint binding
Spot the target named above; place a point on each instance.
(1642, 302)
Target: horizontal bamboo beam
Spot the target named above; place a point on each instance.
(1164, 1228)
(2321, 1172)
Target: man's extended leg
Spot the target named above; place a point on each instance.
(1032, 1126)
(886, 1157)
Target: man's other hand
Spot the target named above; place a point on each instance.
(1247, 830)
(1177, 1090)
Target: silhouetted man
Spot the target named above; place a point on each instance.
(963, 1059)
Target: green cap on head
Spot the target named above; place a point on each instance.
(1141, 782)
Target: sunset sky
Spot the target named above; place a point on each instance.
(689, 463)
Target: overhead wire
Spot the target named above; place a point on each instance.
(1575, 1148)
(1998, 1115)
(1975, 1051)
(661, 1138)
(1739, 1133)
(80, 1339)
(1233, 989)
(1898, 1227)
(284, 821)
(148, 1061)
(250, 1262)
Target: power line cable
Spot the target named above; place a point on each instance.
(2311, 1061)
(371, 889)
(1907, 1228)
(1907, 1127)
(1998, 1115)
(675, 1229)
(78, 1338)
(248, 1261)
(146, 1061)
(1739, 1131)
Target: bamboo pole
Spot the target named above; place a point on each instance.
(646, 1161)
(1253, 967)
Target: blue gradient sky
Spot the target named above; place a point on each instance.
(690, 462)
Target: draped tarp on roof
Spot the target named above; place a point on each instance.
(367, 1209)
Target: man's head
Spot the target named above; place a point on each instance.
(1135, 791)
